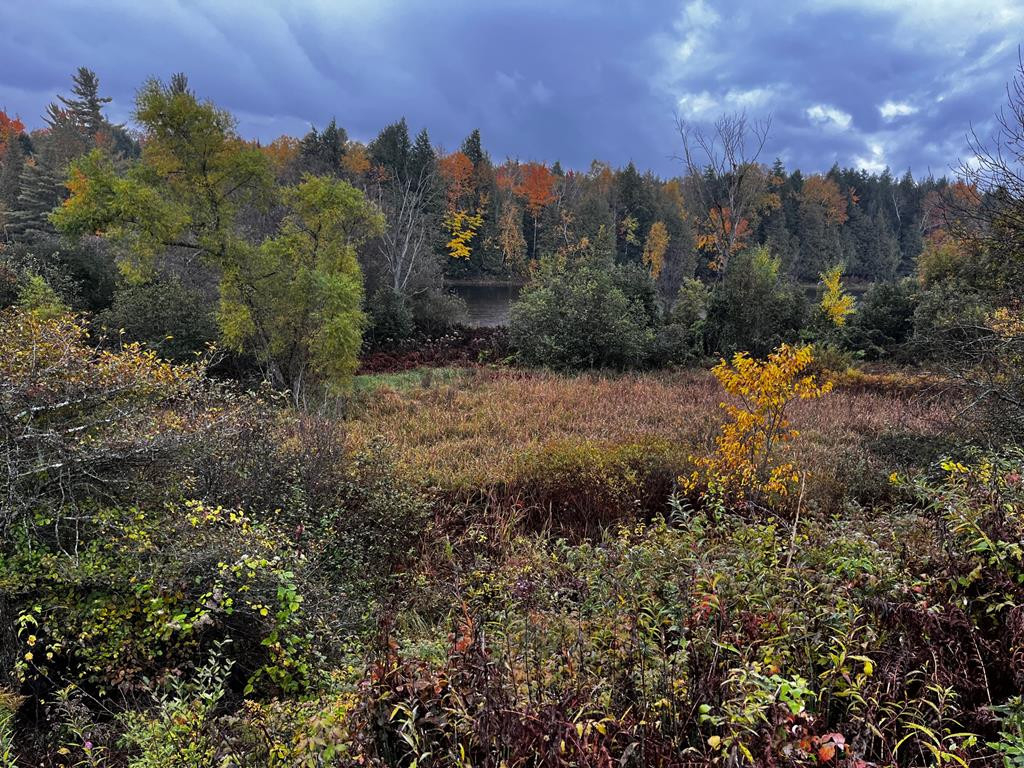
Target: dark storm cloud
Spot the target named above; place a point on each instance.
(864, 83)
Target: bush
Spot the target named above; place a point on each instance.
(164, 315)
(353, 520)
(691, 304)
(675, 344)
(884, 320)
(583, 486)
(436, 311)
(368, 537)
(390, 318)
(752, 309)
(83, 274)
(575, 315)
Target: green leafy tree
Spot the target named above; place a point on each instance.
(165, 314)
(296, 301)
(194, 178)
(291, 295)
(753, 308)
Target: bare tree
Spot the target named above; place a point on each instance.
(405, 247)
(984, 212)
(996, 173)
(725, 182)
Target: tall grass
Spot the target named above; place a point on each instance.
(486, 432)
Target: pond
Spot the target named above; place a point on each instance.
(487, 304)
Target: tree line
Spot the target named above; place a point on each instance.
(180, 232)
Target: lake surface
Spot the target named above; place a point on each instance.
(487, 304)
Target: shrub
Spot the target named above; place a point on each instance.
(38, 299)
(675, 344)
(356, 524)
(575, 315)
(147, 590)
(83, 274)
(584, 485)
(752, 308)
(744, 465)
(435, 311)
(78, 420)
(368, 538)
(691, 304)
(164, 315)
(884, 321)
(390, 318)
(180, 730)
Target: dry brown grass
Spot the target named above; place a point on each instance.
(474, 433)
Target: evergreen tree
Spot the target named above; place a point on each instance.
(40, 190)
(11, 166)
(86, 105)
(322, 153)
(391, 149)
(422, 157)
(473, 149)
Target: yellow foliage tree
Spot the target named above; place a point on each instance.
(510, 236)
(656, 247)
(463, 227)
(743, 465)
(836, 303)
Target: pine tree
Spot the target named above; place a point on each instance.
(11, 167)
(391, 149)
(86, 106)
(321, 153)
(473, 149)
(41, 189)
(422, 157)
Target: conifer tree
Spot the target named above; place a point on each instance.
(86, 105)
(472, 148)
(40, 190)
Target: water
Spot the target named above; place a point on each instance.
(487, 304)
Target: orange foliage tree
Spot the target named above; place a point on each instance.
(457, 171)
(282, 151)
(10, 129)
(823, 191)
(356, 161)
(537, 188)
(723, 236)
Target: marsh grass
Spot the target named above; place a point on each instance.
(487, 432)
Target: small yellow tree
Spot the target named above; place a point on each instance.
(655, 248)
(743, 466)
(836, 303)
(463, 227)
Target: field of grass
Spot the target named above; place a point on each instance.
(488, 429)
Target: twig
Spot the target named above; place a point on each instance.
(796, 522)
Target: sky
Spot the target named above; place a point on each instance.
(862, 83)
